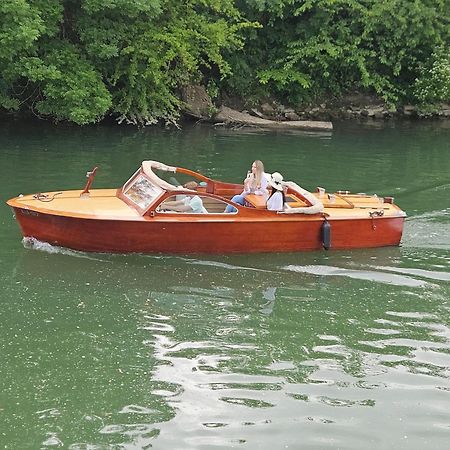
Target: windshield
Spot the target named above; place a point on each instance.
(141, 191)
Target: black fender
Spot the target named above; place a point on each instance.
(326, 234)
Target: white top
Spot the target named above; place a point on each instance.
(196, 204)
(261, 191)
(275, 202)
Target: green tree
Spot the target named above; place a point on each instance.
(308, 48)
(42, 69)
(78, 60)
(433, 83)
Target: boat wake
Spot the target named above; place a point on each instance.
(369, 275)
(226, 266)
(430, 274)
(428, 230)
(443, 213)
(35, 244)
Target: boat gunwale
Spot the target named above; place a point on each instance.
(248, 215)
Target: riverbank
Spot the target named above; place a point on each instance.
(271, 113)
(231, 117)
(364, 107)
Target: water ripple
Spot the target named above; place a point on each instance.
(222, 265)
(433, 275)
(381, 277)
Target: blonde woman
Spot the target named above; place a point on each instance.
(255, 183)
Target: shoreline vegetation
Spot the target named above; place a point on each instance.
(273, 115)
(278, 63)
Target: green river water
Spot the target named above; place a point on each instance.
(318, 350)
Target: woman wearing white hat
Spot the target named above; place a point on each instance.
(277, 198)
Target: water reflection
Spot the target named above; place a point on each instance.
(215, 351)
(318, 350)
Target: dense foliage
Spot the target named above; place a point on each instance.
(80, 60)
(310, 48)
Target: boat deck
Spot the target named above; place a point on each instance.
(104, 204)
(101, 203)
(335, 205)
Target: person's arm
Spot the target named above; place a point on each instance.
(172, 204)
(179, 208)
(177, 205)
(248, 182)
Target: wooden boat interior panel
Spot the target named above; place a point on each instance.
(256, 201)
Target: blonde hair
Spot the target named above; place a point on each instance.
(191, 185)
(259, 173)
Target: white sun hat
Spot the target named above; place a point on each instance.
(276, 181)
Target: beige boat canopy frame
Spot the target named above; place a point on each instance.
(148, 166)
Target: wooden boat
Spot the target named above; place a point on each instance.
(133, 218)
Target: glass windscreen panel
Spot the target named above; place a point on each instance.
(142, 192)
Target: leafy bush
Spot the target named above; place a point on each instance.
(433, 83)
(310, 48)
(79, 60)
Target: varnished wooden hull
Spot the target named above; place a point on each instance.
(285, 233)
